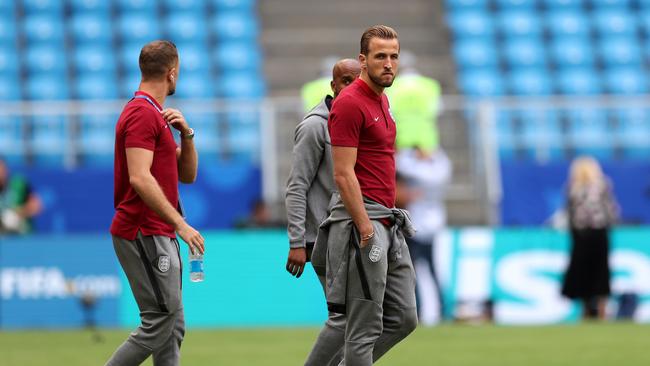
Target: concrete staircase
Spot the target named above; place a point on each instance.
(298, 34)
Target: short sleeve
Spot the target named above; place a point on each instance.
(345, 123)
(141, 130)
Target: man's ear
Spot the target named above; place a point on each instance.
(332, 86)
(362, 61)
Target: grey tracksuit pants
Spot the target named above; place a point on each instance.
(152, 265)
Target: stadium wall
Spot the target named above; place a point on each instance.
(44, 278)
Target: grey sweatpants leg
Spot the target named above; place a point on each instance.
(328, 349)
(152, 265)
(381, 311)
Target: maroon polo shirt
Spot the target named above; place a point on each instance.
(360, 118)
(141, 125)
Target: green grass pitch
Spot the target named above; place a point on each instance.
(607, 344)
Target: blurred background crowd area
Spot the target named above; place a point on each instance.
(523, 87)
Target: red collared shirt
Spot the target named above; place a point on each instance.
(141, 125)
(360, 118)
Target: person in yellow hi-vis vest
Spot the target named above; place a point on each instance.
(313, 92)
(415, 104)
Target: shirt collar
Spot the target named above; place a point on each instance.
(140, 92)
(367, 90)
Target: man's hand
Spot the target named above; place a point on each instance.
(175, 118)
(296, 261)
(192, 237)
(367, 231)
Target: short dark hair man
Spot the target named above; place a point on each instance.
(309, 190)
(148, 167)
(370, 277)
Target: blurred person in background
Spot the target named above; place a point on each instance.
(148, 168)
(309, 190)
(423, 176)
(370, 277)
(592, 210)
(313, 92)
(415, 104)
(19, 204)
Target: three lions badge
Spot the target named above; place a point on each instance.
(375, 254)
(163, 263)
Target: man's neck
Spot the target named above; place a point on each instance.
(157, 90)
(376, 88)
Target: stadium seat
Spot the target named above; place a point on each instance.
(138, 28)
(207, 131)
(529, 81)
(578, 81)
(566, 23)
(194, 57)
(237, 56)
(541, 133)
(588, 132)
(633, 132)
(7, 32)
(614, 23)
(96, 86)
(186, 27)
(129, 84)
(50, 86)
(519, 23)
(524, 51)
(11, 139)
(138, 6)
(562, 4)
(505, 135)
(8, 61)
(243, 5)
(97, 7)
(615, 4)
(195, 6)
(241, 85)
(626, 80)
(51, 7)
(97, 136)
(471, 23)
(194, 85)
(94, 59)
(571, 51)
(475, 52)
(481, 82)
(7, 9)
(43, 28)
(234, 26)
(49, 140)
(515, 4)
(10, 87)
(644, 22)
(92, 28)
(46, 59)
(620, 51)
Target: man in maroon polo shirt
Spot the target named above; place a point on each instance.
(148, 167)
(365, 232)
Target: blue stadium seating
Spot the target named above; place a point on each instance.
(644, 21)
(516, 4)
(49, 139)
(506, 135)
(50, 7)
(138, 6)
(482, 82)
(519, 23)
(612, 22)
(578, 81)
(94, 59)
(10, 87)
(186, 27)
(620, 51)
(616, 4)
(48, 86)
(96, 86)
(97, 134)
(237, 56)
(589, 132)
(626, 80)
(541, 133)
(571, 51)
(8, 61)
(530, 81)
(475, 52)
(241, 85)
(7, 9)
(92, 28)
(138, 28)
(234, 26)
(471, 23)
(98, 7)
(195, 6)
(239, 5)
(194, 57)
(11, 141)
(524, 51)
(566, 23)
(46, 59)
(562, 4)
(44, 28)
(129, 55)
(194, 85)
(7, 31)
(129, 84)
(207, 130)
(633, 132)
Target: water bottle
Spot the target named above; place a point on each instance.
(196, 267)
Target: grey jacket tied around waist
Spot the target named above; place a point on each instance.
(338, 237)
(311, 181)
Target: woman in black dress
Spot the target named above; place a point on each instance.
(592, 210)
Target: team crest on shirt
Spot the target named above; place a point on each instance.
(163, 263)
(375, 254)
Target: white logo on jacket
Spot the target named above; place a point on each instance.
(375, 254)
(163, 263)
